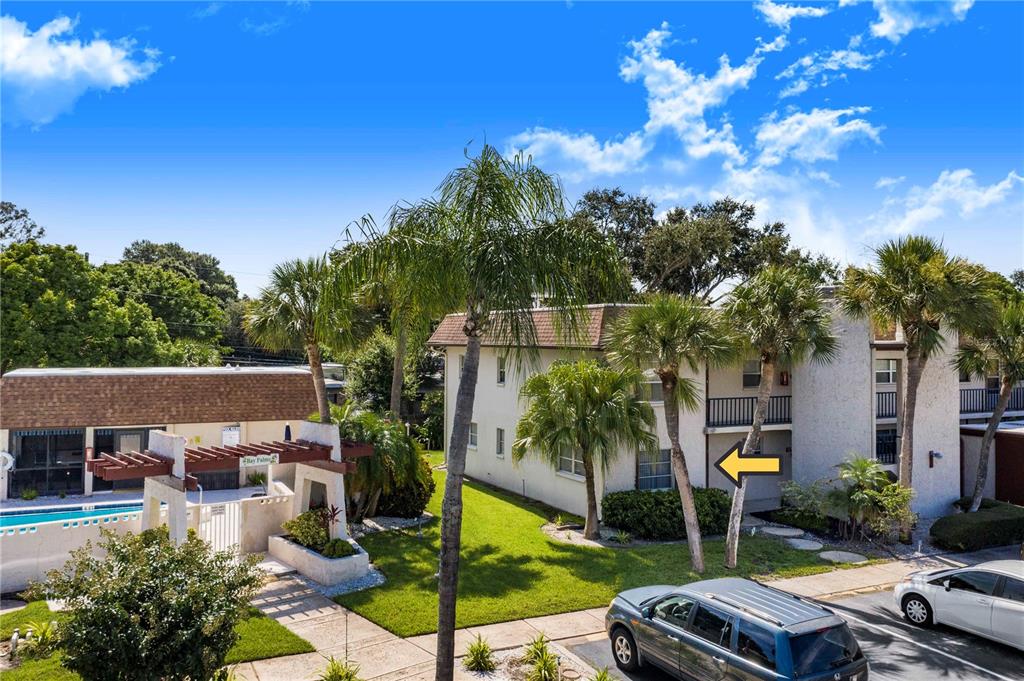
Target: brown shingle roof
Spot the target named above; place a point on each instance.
(593, 334)
(54, 398)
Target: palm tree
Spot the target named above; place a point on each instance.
(292, 312)
(669, 333)
(916, 285)
(492, 240)
(1002, 343)
(586, 409)
(781, 316)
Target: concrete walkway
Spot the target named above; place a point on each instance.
(383, 656)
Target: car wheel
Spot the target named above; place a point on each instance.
(624, 650)
(917, 610)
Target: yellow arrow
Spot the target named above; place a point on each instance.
(735, 467)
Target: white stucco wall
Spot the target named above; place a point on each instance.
(833, 405)
(763, 490)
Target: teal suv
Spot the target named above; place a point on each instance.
(732, 629)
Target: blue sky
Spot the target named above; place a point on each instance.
(259, 131)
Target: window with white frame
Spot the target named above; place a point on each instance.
(751, 373)
(885, 371)
(570, 461)
(992, 376)
(501, 370)
(654, 392)
(473, 435)
(499, 443)
(654, 470)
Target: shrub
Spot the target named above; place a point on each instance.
(44, 640)
(257, 479)
(431, 430)
(307, 529)
(151, 609)
(338, 670)
(535, 648)
(545, 667)
(602, 675)
(964, 503)
(659, 514)
(803, 506)
(338, 548)
(409, 500)
(479, 657)
(891, 511)
(29, 493)
(997, 524)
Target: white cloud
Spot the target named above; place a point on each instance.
(954, 189)
(45, 72)
(889, 182)
(823, 177)
(897, 18)
(818, 69)
(208, 11)
(583, 151)
(263, 28)
(813, 136)
(780, 15)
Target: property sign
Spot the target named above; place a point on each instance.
(735, 467)
(230, 435)
(260, 459)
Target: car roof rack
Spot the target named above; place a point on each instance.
(802, 599)
(746, 608)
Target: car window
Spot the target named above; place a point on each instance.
(711, 625)
(824, 650)
(974, 581)
(1013, 589)
(675, 610)
(756, 644)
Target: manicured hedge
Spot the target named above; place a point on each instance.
(996, 523)
(658, 514)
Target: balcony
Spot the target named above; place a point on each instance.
(739, 411)
(886, 449)
(983, 400)
(885, 405)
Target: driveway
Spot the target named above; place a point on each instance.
(896, 650)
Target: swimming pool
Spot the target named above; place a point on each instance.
(32, 516)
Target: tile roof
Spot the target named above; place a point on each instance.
(593, 333)
(53, 398)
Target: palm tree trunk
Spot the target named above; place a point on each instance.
(398, 373)
(591, 529)
(316, 368)
(915, 369)
(764, 394)
(451, 513)
(682, 476)
(1005, 390)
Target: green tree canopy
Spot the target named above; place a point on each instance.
(369, 371)
(16, 225)
(56, 311)
(626, 218)
(202, 267)
(176, 299)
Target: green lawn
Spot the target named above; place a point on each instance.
(510, 569)
(259, 637)
(434, 457)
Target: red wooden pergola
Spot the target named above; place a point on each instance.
(131, 465)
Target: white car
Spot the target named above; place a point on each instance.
(986, 599)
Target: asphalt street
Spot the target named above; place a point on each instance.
(896, 649)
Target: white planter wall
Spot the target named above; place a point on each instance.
(326, 571)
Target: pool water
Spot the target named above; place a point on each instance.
(32, 517)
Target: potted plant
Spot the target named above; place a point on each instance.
(309, 548)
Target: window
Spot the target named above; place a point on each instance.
(1013, 589)
(756, 644)
(886, 449)
(122, 440)
(501, 370)
(974, 581)
(992, 377)
(48, 461)
(654, 470)
(712, 625)
(653, 391)
(473, 436)
(965, 377)
(885, 371)
(752, 373)
(824, 650)
(570, 462)
(499, 443)
(674, 610)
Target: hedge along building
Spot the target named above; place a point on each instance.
(49, 417)
(819, 416)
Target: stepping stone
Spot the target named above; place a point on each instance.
(842, 557)
(804, 544)
(274, 567)
(782, 531)
(751, 521)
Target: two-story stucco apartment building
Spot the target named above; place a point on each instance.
(819, 415)
(49, 417)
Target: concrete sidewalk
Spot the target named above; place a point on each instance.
(383, 656)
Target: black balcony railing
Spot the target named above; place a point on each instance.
(885, 405)
(886, 450)
(739, 411)
(983, 400)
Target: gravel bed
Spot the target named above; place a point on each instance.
(386, 523)
(371, 579)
